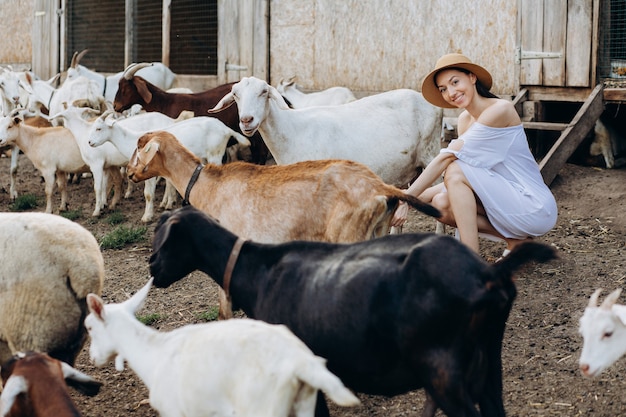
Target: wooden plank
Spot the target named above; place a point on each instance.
(261, 42)
(555, 15)
(577, 95)
(545, 126)
(246, 39)
(519, 99)
(166, 23)
(579, 35)
(615, 94)
(571, 137)
(532, 40)
(45, 61)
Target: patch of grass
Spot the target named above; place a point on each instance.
(72, 214)
(115, 217)
(150, 319)
(210, 315)
(123, 236)
(24, 202)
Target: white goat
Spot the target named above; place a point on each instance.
(394, 133)
(157, 73)
(10, 94)
(81, 92)
(603, 330)
(332, 96)
(206, 137)
(239, 367)
(52, 150)
(104, 162)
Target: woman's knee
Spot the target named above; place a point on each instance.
(440, 202)
(454, 174)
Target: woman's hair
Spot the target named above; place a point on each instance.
(480, 88)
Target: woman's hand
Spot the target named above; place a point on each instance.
(401, 214)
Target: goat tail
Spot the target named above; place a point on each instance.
(417, 204)
(522, 254)
(315, 374)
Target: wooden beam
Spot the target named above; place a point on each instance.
(615, 94)
(570, 94)
(521, 97)
(573, 135)
(545, 126)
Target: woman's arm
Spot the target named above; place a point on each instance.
(431, 173)
(434, 169)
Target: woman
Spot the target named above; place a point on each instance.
(492, 184)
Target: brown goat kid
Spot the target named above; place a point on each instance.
(135, 90)
(325, 200)
(35, 386)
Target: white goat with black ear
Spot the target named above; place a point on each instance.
(239, 367)
(603, 330)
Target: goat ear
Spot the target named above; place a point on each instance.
(150, 150)
(593, 300)
(95, 305)
(225, 102)
(14, 386)
(134, 303)
(610, 299)
(83, 383)
(278, 98)
(620, 312)
(142, 89)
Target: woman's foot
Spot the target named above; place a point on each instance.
(510, 245)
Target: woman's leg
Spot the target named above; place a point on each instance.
(463, 205)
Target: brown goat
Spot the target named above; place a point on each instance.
(135, 90)
(325, 200)
(35, 386)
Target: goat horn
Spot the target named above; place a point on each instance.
(133, 68)
(77, 57)
(593, 300)
(610, 299)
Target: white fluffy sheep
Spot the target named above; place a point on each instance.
(49, 265)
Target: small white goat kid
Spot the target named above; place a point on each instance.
(238, 367)
(603, 330)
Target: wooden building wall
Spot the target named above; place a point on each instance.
(15, 32)
(377, 45)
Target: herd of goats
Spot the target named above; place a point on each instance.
(287, 199)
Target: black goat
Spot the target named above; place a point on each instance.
(391, 315)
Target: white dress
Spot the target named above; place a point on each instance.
(506, 178)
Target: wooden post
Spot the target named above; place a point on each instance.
(573, 135)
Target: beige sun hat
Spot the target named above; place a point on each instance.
(431, 92)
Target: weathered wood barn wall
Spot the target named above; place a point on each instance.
(367, 45)
(374, 45)
(15, 32)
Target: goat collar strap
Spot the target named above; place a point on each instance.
(104, 90)
(192, 182)
(230, 265)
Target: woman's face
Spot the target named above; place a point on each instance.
(456, 87)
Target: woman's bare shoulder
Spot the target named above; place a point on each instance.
(501, 113)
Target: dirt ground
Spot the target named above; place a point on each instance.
(541, 346)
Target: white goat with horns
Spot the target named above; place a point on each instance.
(603, 330)
(238, 367)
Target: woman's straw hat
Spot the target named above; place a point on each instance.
(431, 92)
